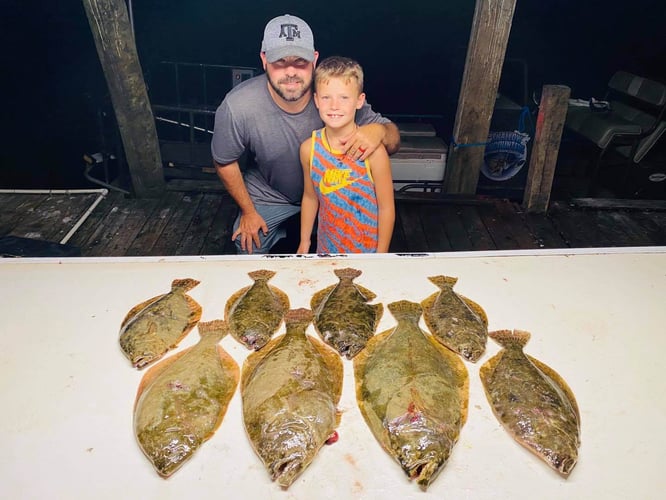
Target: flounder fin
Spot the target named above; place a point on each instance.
(262, 274)
(184, 284)
(443, 282)
(510, 338)
(405, 310)
(347, 273)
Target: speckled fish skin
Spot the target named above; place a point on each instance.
(157, 325)
(532, 402)
(413, 393)
(182, 400)
(457, 322)
(343, 318)
(254, 313)
(289, 391)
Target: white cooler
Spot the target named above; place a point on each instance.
(419, 129)
(421, 160)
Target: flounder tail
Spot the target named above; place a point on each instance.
(262, 274)
(443, 282)
(510, 338)
(184, 284)
(347, 273)
(298, 317)
(404, 310)
(216, 329)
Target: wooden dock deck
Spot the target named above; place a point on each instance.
(199, 223)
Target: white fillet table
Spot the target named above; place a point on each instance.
(596, 316)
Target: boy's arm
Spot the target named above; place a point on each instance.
(309, 202)
(380, 166)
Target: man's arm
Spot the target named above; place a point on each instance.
(391, 140)
(250, 221)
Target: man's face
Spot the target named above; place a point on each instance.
(290, 77)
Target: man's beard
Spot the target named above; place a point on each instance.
(290, 96)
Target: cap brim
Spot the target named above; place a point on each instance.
(273, 55)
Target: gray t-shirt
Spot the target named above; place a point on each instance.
(248, 119)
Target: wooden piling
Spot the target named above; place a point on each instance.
(543, 159)
(110, 26)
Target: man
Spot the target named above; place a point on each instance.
(269, 116)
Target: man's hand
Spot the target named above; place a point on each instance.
(367, 138)
(248, 231)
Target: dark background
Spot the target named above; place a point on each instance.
(412, 53)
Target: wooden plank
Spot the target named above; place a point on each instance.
(483, 67)
(455, 229)
(85, 236)
(130, 217)
(544, 231)
(498, 228)
(17, 207)
(70, 210)
(577, 228)
(612, 203)
(218, 240)
(152, 230)
(195, 236)
(653, 224)
(111, 237)
(55, 214)
(432, 222)
(174, 232)
(550, 123)
(622, 229)
(114, 39)
(477, 232)
(512, 217)
(410, 219)
(189, 185)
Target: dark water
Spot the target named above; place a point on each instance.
(412, 54)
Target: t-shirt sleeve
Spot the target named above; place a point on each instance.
(228, 142)
(366, 115)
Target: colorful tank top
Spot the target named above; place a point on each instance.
(347, 218)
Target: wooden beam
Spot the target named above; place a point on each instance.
(110, 26)
(483, 67)
(549, 125)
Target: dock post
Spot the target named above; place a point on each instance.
(549, 125)
(116, 48)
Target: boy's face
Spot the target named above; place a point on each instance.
(337, 101)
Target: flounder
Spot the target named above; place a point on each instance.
(343, 318)
(413, 393)
(290, 390)
(182, 400)
(255, 312)
(532, 402)
(157, 325)
(457, 322)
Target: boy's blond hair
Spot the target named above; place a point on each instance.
(339, 67)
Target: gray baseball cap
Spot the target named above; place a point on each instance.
(288, 36)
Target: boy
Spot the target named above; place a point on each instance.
(352, 198)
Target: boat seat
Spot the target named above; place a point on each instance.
(630, 123)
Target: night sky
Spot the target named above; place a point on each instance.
(411, 52)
